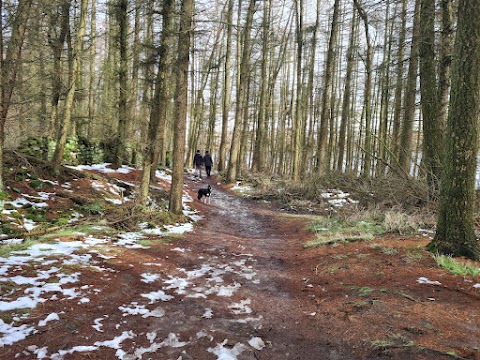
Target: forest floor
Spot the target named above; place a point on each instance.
(241, 285)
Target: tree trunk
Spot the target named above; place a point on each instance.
(65, 125)
(158, 111)
(445, 61)
(57, 43)
(91, 70)
(226, 90)
(212, 116)
(405, 156)
(298, 127)
(241, 98)
(242, 162)
(9, 68)
(346, 95)
(384, 84)
(432, 131)
(456, 226)
(367, 158)
(133, 140)
(161, 103)
(310, 92)
(327, 85)
(399, 81)
(120, 145)
(261, 135)
(180, 116)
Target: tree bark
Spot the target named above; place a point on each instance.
(347, 89)
(9, 68)
(158, 113)
(57, 43)
(120, 145)
(399, 81)
(384, 84)
(405, 155)
(66, 123)
(432, 132)
(212, 116)
(325, 116)
(226, 90)
(161, 103)
(180, 116)
(455, 233)
(445, 61)
(367, 158)
(91, 70)
(260, 140)
(241, 98)
(298, 127)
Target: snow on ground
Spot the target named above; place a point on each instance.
(207, 279)
(338, 198)
(334, 197)
(50, 280)
(424, 280)
(164, 176)
(104, 168)
(242, 189)
(112, 193)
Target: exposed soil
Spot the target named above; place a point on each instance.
(351, 301)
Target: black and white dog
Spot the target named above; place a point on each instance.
(204, 194)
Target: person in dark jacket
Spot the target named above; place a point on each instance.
(207, 159)
(198, 163)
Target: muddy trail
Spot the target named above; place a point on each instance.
(279, 310)
(242, 286)
(231, 289)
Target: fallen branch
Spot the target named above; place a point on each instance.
(419, 347)
(80, 200)
(444, 353)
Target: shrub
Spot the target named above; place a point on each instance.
(94, 208)
(399, 222)
(36, 146)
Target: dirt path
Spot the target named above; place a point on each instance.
(239, 231)
(241, 286)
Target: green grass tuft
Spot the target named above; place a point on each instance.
(456, 267)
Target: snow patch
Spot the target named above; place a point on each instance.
(51, 317)
(424, 280)
(224, 353)
(257, 343)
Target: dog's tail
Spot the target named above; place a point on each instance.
(199, 196)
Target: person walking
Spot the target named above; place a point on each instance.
(197, 163)
(207, 159)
